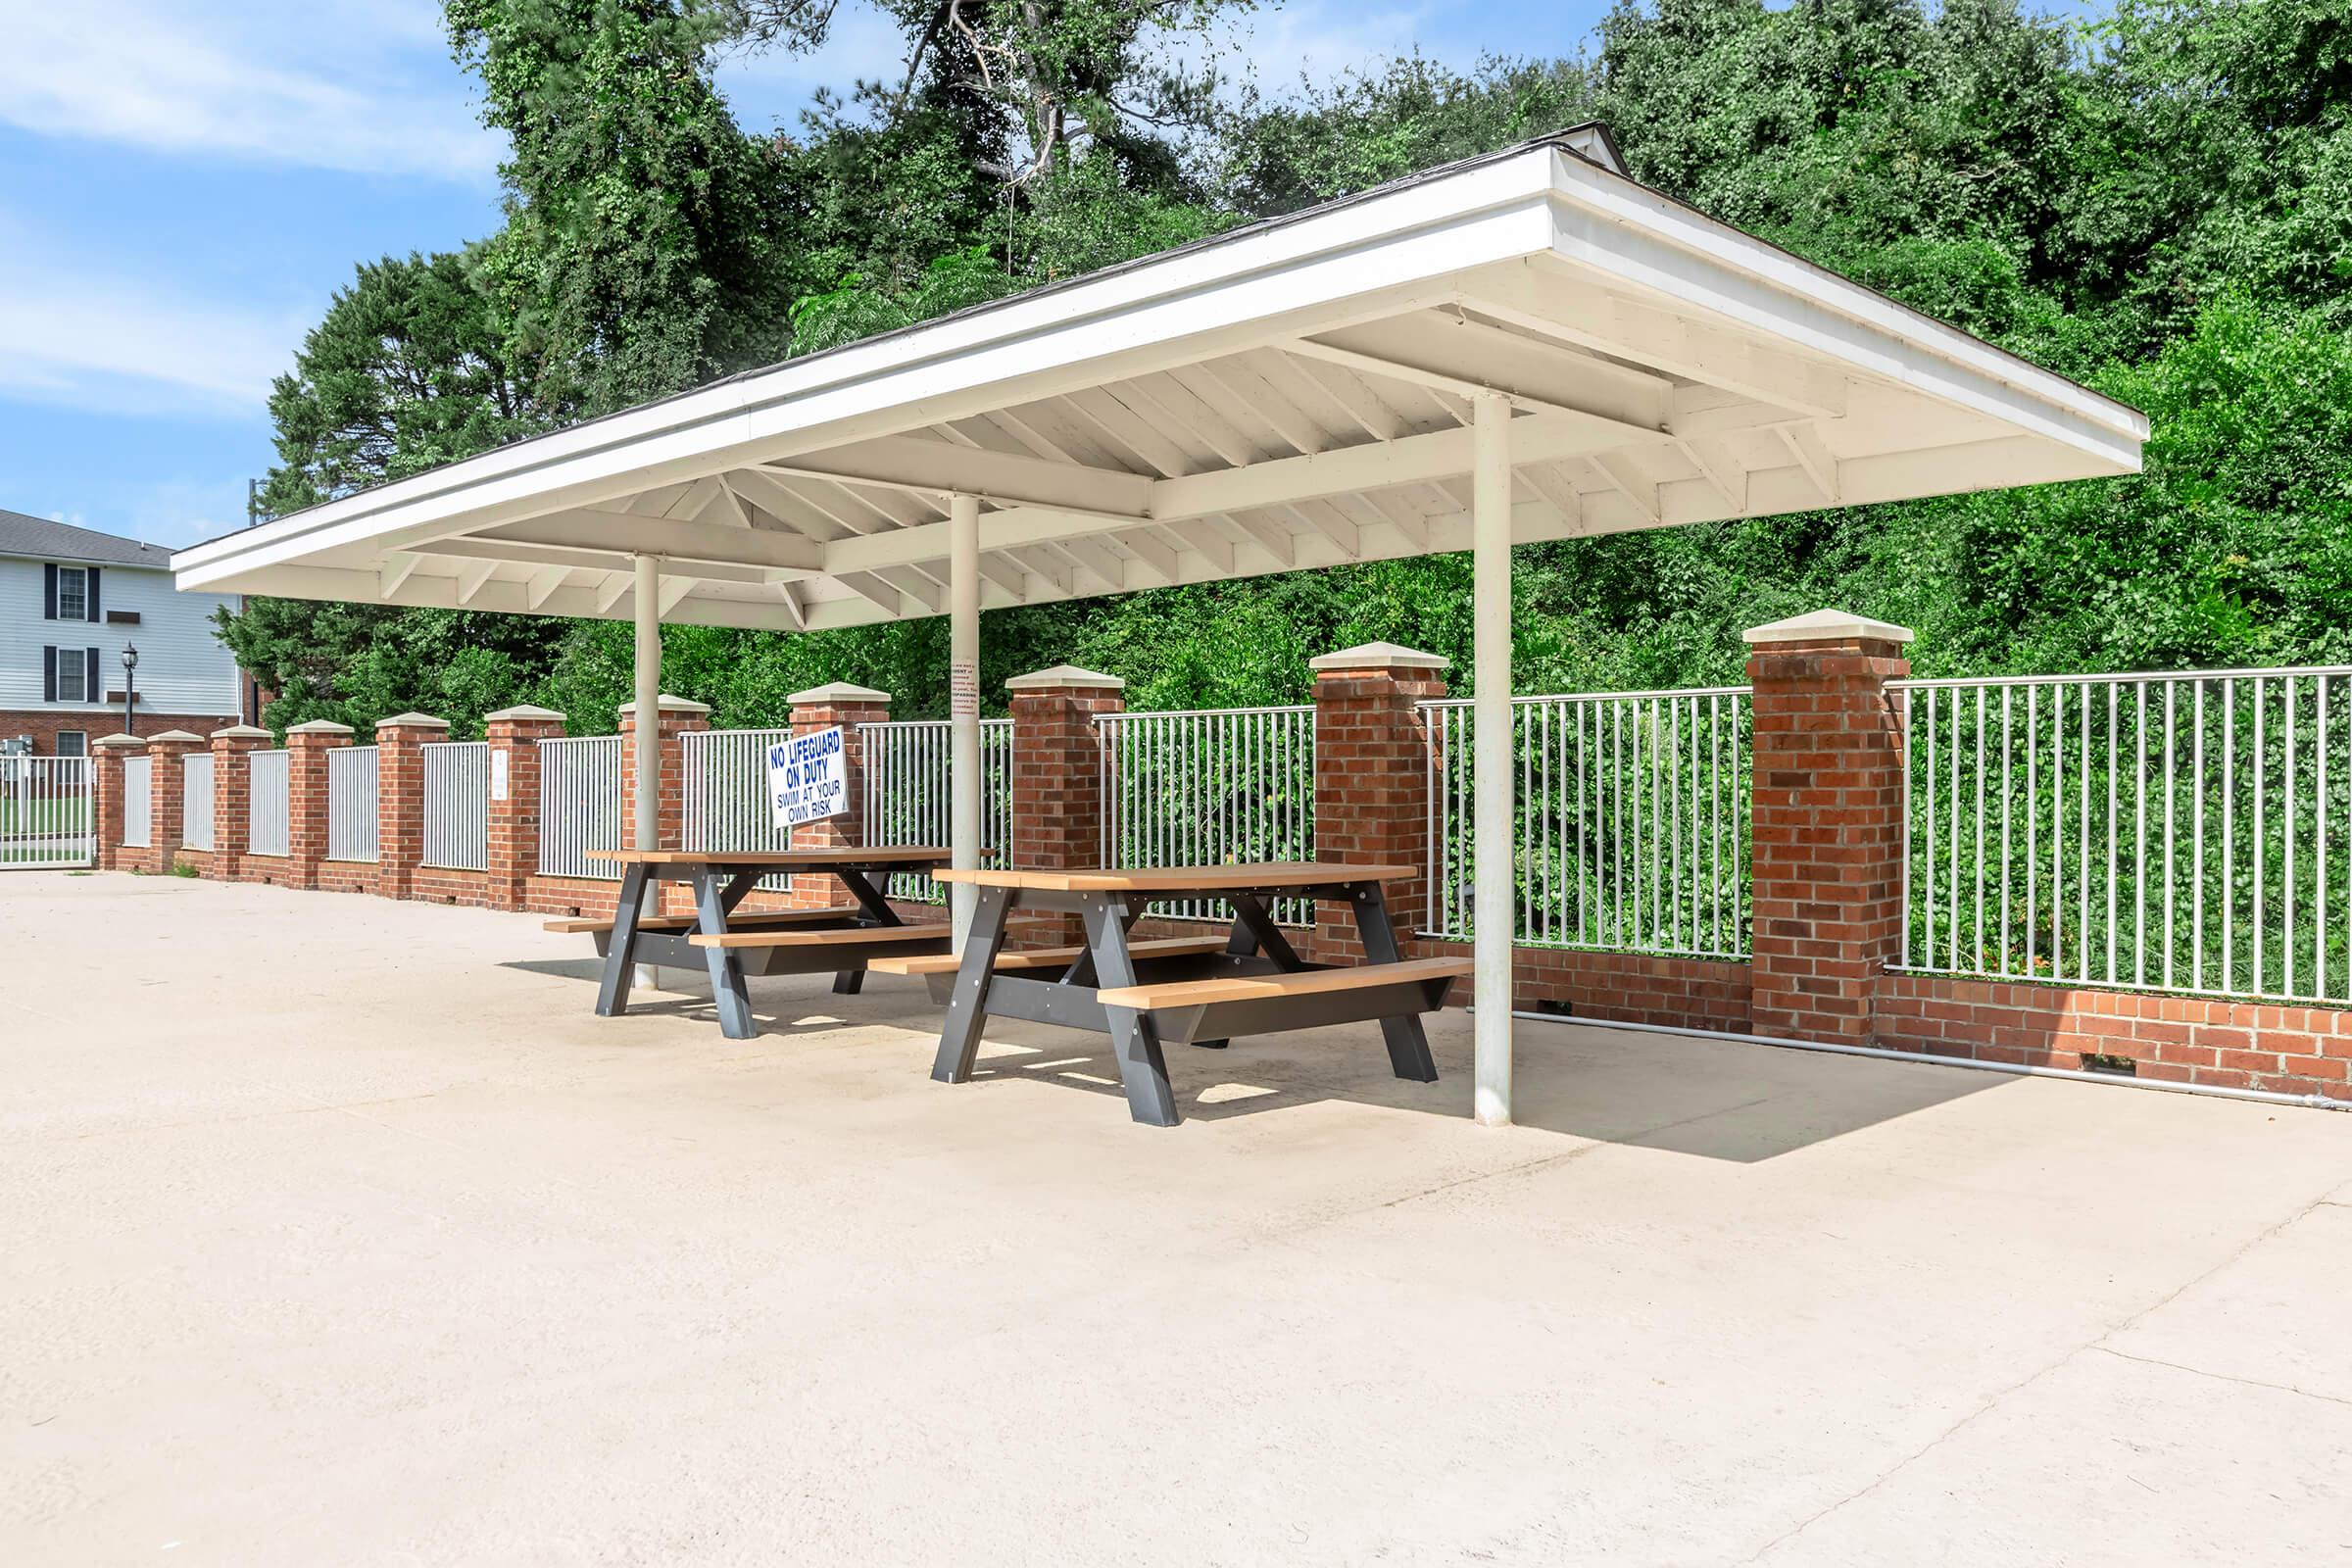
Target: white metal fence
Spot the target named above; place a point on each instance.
(267, 807)
(45, 812)
(353, 774)
(579, 805)
(1632, 829)
(196, 800)
(726, 803)
(907, 793)
(1220, 786)
(456, 805)
(2186, 832)
(138, 801)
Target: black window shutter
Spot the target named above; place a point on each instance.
(89, 679)
(49, 592)
(49, 672)
(90, 588)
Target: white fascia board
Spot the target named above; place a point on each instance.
(1373, 257)
(1639, 237)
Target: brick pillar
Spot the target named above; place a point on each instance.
(678, 716)
(169, 752)
(1828, 786)
(1058, 772)
(514, 732)
(307, 746)
(106, 798)
(232, 795)
(1372, 765)
(822, 708)
(400, 743)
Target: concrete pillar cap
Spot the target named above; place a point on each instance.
(319, 727)
(1380, 655)
(179, 736)
(672, 705)
(838, 693)
(1828, 626)
(523, 711)
(241, 732)
(1062, 675)
(413, 722)
(120, 741)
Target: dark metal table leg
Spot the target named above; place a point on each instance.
(960, 1031)
(1133, 1039)
(1253, 929)
(613, 993)
(726, 968)
(873, 908)
(1407, 1041)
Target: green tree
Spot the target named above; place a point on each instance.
(646, 246)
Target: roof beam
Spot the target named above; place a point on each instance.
(1691, 350)
(545, 581)
(398, 568)
(1804, 444)
(589, 559)
(1469, 370)
(665, 537)
(934, 467)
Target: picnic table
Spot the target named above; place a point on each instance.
(1196, 991)
(844, 939)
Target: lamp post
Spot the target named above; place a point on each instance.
(130, 664)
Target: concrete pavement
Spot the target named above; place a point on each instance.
(338, 1230)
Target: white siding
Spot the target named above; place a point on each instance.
(183, 666)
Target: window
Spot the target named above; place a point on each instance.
(72, 595)
(72, 673)
(72, 742)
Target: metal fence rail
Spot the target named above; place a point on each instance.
(138, 801)
(45, 812)
(1631, 832)
(908, 796)
(352, 778)
(456, 805)
(726, 803)
(1232, 785)
(267, 808)
(196, 800)
(579, 805)
(2187, 832)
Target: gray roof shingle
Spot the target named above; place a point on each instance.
(39, 537)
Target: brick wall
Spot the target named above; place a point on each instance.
(1827, 824)
(2231, 1045)
(677, 717)
(515, 734)
(822, 708)
(1372, 765)
(1057, 776)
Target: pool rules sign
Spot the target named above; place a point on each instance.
(806, 778)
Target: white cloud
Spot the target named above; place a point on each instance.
(373, 93)
(134, 345)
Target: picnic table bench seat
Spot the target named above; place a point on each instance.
(589, 925)
(1046, 957)
(834, 936)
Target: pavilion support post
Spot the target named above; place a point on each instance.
(963, 704)
(646, 742)
(1495, 902)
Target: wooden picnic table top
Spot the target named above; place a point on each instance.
(783, 860)
(1248, 878)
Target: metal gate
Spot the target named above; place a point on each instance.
(44, 811)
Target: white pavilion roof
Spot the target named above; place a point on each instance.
(1292, 393)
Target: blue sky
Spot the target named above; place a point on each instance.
(184, 182)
